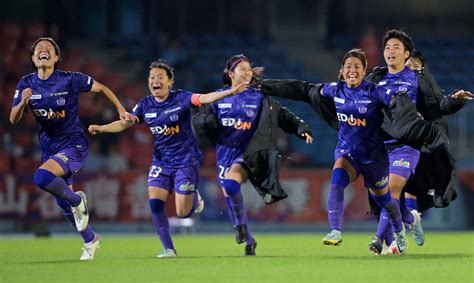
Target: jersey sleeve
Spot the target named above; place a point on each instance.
(330, 89)
(383, 95)
(81, 82)
(17, 96)
(138, 111)
(188, 98)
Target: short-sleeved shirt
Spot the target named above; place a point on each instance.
(170, 123)
(360, 119)
(238, 117)
(54, 103)
(403, 81)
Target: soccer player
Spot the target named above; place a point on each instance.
(52, 95)
(360, 149)
(397, 48)
(245, 142)
(176, 156)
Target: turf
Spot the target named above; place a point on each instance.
(446, 257)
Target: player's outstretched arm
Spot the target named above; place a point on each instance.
(123, 114)
(114, 127)
(217, 95)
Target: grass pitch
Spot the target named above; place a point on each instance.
(445, 257)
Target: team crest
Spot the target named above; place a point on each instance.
(174, 117)
(61, 101)
(362, 109)
(250, 113)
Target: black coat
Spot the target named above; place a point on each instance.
(262, 159)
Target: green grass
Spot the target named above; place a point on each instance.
(446, 257)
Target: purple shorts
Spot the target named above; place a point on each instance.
(375, 173)
(403, 161)
(70, 159)
(223, 168)
(183, 181)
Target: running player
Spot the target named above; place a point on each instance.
(397, 48)
(52, 95)
(176, 156)
(357, 106)
(245, 143)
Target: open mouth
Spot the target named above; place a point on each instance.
(44, 57)
(156, 88)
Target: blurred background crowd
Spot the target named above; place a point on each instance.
(114, 42)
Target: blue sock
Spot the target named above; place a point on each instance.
(407, 217)
(392, 210)
(229, 210)
(232, 189)
(160, 221)
(411, 203)
(88, 234)
(335, 203)
(56, 186)
(383, 226)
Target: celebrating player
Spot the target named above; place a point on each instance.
(432, 104)
(245, 143)
(176, 156)
(52, 96)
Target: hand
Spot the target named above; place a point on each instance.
(126, 117)
(94, 129)
(462, 94)
(129, 118)
(239, 88)
(25, 96)
(308, 137)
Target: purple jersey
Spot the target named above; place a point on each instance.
(54, 105)
(238, 118)
(403, 81)
(360, 119)
(170, 123)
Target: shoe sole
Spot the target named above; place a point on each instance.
(332, 243)
(374, 250)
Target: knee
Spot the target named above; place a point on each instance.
(340, 177)
(43, 177)
(183, 213)
(156, 205)
(231, 187)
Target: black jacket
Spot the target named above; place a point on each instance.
(434, 179)
(261, 156)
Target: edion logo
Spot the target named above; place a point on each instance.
(50, 114)
(236, 123)
(351, 120)
(165, 130)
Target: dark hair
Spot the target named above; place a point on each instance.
(233, 62)
(56, 49)
(356, 53)
(400, 35)
(416, 54)
(161, 64)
